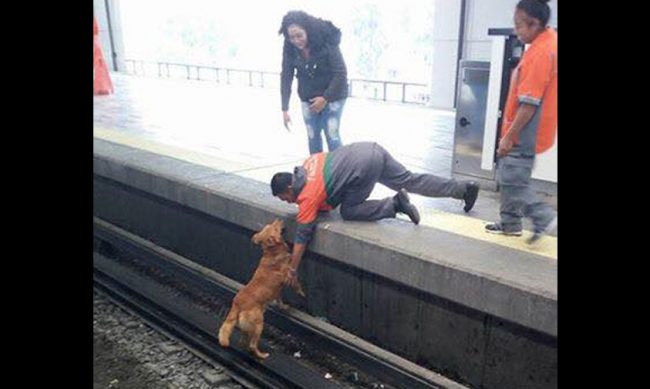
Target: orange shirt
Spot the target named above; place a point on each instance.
(534, 81)
(313, 196)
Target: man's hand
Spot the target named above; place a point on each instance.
(524, 113)
(505, 145)
(317, 104)
(287, 119)
(296, 256)
(291, 279)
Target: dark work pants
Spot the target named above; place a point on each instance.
(383, 168)
(517, 198)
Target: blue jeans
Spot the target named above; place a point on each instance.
(329, 119)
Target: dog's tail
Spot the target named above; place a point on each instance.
(228, 325)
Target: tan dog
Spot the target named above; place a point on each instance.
(247, 310)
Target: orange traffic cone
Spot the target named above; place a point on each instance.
(102, 84)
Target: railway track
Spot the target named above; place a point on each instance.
(188, 301)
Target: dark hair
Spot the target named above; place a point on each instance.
(537, 9)
(319, 31)
(280, 182)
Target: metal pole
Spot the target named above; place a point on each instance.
(110, 35)
(459, 55)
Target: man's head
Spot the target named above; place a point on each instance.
(531, 18)
(281, 187)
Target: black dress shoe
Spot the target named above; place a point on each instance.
(471, 194)
(403, 205)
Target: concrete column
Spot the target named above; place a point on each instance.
(445, 52)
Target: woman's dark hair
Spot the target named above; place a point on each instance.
(537, 9)
(319, 31)
(280, 182)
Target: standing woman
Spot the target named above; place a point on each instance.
(311, 48)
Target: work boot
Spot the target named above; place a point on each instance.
(403, 205)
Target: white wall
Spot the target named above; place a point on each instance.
(484, 14)
(480, 15)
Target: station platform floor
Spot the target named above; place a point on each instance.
(239, 129)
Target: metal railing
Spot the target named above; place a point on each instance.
(379, 90)
(382, 90)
